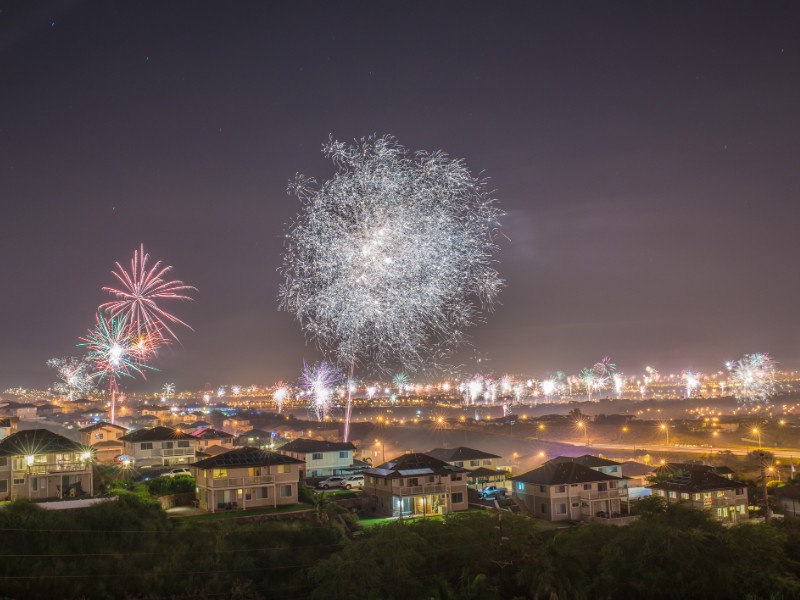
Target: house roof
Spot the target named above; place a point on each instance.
(587, 460)
(155, 434)
(562, 473)
(108, 444)
(484, 472)
(206, 433)
(459, 454)
(101, 425)
(409, 465)
(37, 441)
(679, 468)
(246, 457)
(697, 480)
(631, 468)
(306, 445)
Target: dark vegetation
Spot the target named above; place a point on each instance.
(129, 549)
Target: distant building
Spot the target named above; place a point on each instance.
(416, 484)
(236, 425)
(159, 447)
(8, 425)
(22, 410)
(596, 463)
(246, 478)
(703, 489)
(38, 464)
(788, 498)
(104, 440)
(481, 466)
(571, 491)
(207, 437)
(321, 458)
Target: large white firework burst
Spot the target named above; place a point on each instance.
(390, 259)
(754, 378)
(74, 373)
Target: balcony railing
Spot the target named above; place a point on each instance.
(177, 451)
(229, 482)
(606, 495)
(423, 489)
(69, 467)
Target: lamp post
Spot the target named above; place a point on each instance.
(383, 450)
(714, 434)
(582, 425)
(665, 429)
(757, 431)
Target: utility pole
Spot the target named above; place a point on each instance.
(767, 513)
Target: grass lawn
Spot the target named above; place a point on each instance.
(234, 514)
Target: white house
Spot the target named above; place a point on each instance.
(322, 458)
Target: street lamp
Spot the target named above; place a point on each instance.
(582, 425)
(665, 429)
(774, 471)
(714, 435)
(757, 431)
(383, 450)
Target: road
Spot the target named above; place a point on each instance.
(780, 453)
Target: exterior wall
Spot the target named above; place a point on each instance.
(103, 434)
(224, 443)
(51, 476)
(470, 465)
(331, 463)
(728, 506)
(160, 454)
(571, 502)
(247, 487)
(439, 496)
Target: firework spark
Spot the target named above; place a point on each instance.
(73, 373)
(280, 394)
(142, 288)
(754, 378)
(391, 258)
(692, 382)
(400, 381)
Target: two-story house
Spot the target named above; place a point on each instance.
(599, 464)
(207, 437)
(104, 440)
(416, 484)
(481, 466)
(159, 447)
(25, 411)
(38, 464)
(701, 488)
(246, 478)
(570, 491)
(321, 458)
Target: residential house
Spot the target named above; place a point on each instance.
(703, 489)
(571, 491)
(481, 466)
(255, 437)
(672, 468)
(788, 498)
(416, 484)
(159, 447)
(208, 437)
(638, 475)
(321, 458)
(246, 478)
(38, 464)
(104, 440)
(163, 414)
(22, 410)
(597, 463)
(8, 425)
(236, 425)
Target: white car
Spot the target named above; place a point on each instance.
(177, 472)
(354, 481)
(331, 482)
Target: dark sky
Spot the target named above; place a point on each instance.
(647, 155)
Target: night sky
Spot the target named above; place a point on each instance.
(647, 156)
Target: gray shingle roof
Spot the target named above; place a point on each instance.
(697, 480)
(156, 434)
(246, 457)
(306, 445)
(459, 454)
(409, 465)
(587, 460)
(37, 441)
(563, 473)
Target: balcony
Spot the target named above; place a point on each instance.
(177, 452)
(606, 495)
(423, 489)
(234, 482)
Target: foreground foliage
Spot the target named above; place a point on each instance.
(129, 549)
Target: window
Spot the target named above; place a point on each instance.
(3, 461)
(183, 444)
(602, 486)
(284, 468)
(720, 494)
(254, 471)
(343, 454)
(167, 445)
(286, 491)
(612, 484)
(459, 463)
(696, 497)
(248, 494)
(263, 493)
(474, 463)
(487, 461)
(316, 456)
(520, 486)
(561, 509)
(740, 508)
(19, 481)
(98, 436)
(413, 482)
(543, 509)
(575, 505)
(587, 487)
(684, 496)
(722, 513)
(458, 498)
(146, 445)
(562, 489)
(220, 473)
(456, 477)
(543, 488)
(739, 491)
(613, 470)
(3, 486)
(673, 495)
(430, 479)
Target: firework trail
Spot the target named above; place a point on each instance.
(391, 258)
(280, 394)
(142, 288)
(692, 382)
(73, 373)
(754, 378)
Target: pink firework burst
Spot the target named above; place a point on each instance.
(142, 287)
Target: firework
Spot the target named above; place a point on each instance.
(141, 290)
(221, 390)
(318, 379)
(400, 381)
(73, 373)
(167, 391)
(604, 368)
(593, 379)
(109, 349)
(619, 384)
(280, 394)
(754, 378)
(548, 387)
(692, 382)
(391, 258)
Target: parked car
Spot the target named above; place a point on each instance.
(492, 491)
(331, 482)
(354, 481)
(177, 471)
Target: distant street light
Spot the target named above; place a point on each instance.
(665, 429)
(582, 425)
(383, 450)
(757, 431)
